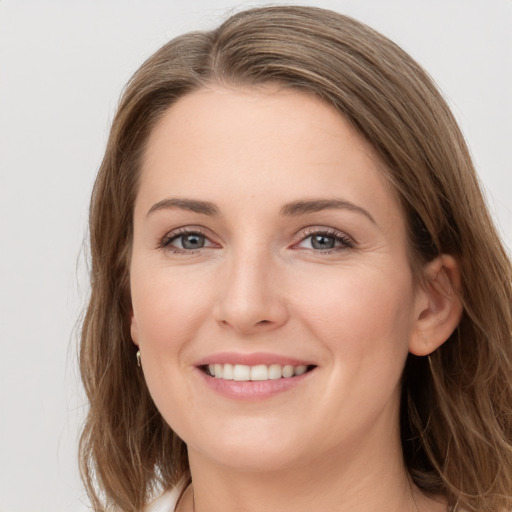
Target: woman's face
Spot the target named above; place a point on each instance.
(273, 302)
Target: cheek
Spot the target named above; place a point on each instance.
(360, 314)
(168, 308)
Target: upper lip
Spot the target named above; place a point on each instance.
(253, 359)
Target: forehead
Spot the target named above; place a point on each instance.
(232, 121)
(220, 143)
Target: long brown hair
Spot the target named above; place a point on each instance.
(456, 413)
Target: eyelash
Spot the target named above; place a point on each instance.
(166, 242)
(345, 241)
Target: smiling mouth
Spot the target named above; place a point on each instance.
(261, 372)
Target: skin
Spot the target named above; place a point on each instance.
(258, 284)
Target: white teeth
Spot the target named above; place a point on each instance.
(227, 373)
(274, 371)
(219, 371)
(259, 372)
(288, 370)
(299, 370)
(242, 372)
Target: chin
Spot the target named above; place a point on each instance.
(252, 451)
(254, 459)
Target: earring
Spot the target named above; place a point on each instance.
(138, 358)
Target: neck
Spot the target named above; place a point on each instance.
(367, 479)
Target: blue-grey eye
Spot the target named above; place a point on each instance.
(192, 241)
(323, 242)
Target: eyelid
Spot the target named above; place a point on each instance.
(165, 241)
(347, 241)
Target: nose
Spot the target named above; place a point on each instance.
(251, 297)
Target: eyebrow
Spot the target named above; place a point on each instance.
(316, 205)
(296, 208)
(203, 207)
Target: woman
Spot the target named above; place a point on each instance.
(299, 300)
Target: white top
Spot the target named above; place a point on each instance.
(165, 503)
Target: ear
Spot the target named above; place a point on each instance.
(134, 331)
(438, 306)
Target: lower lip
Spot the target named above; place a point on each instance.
(254, 389)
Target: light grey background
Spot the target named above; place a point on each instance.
(62, 67)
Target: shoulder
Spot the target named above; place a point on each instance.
(166, 502)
